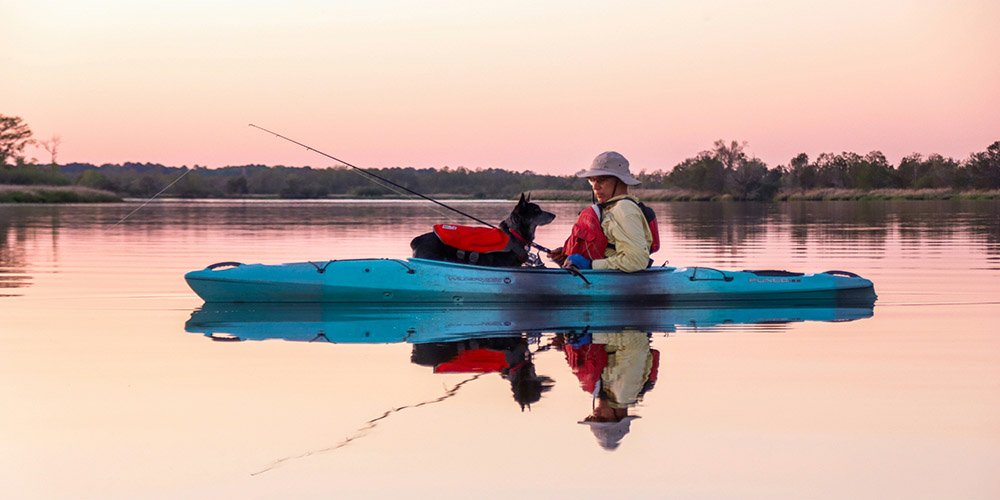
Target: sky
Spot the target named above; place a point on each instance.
(517, 85)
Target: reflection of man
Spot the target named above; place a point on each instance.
(618, 369)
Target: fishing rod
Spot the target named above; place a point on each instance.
(186, 171)
(383, 179)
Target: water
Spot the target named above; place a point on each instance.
(114, 390)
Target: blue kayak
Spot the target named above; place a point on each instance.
(420, 281)
(422, 324)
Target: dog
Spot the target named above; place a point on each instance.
(507, 246)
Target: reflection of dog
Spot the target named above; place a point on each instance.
(518, 230)
(509, 356)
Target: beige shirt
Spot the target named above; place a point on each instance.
(626, 229)
(629, 363)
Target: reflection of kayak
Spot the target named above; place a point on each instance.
(398, 281)
(308, 322)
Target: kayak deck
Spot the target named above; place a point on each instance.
(421, 281)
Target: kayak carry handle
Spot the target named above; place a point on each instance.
(409, 270)
(223, 264)
(842, 273)
(223, 337)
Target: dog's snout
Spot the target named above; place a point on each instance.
(546, 218)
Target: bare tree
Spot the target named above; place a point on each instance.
(52, 147)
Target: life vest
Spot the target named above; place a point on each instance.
(587, 362)
(474, 361)
(587, 238)
(471, 238)
(654, 228)
(653, 372)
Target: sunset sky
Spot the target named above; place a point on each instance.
(518, 85)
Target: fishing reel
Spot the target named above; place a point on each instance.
(534, 260)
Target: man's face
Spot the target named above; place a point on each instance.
(603, 186)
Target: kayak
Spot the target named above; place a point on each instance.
(422, 324)
(421, 281)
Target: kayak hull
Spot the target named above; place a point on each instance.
(421, 281)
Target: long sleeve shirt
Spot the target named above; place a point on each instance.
(628, 235)
(630, 361)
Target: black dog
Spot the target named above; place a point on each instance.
(519, 227)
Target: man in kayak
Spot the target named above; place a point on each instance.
(614, 233)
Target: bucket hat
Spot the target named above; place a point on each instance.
(610, 434)
(610, 163)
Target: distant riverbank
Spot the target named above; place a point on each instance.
(828, 194)
(55, 194)
(78, 194)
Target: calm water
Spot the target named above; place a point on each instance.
(115, 388)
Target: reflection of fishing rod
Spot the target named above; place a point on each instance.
(383, 179)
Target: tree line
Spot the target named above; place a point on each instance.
(726, 169)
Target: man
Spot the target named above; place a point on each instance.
(623, 239)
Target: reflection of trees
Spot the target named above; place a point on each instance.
(985, 224)
(13, 260)
(291, 215)
(806, 223)
(833, 221)
(810, 223)
(724, 223)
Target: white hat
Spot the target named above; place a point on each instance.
(610, 434)
(610, 163)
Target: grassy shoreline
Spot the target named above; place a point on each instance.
(55, 194)
(76, 194)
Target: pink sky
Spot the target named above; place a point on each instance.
(513, 85)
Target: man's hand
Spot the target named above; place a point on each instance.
(577, 260)
(557, 256)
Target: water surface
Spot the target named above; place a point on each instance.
(119, 384)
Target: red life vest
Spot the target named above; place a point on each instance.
(587, 362)
(472, 239)
(655, 369)
(587, 237)
(474, 361)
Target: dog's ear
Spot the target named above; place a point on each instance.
(522, 201)
(528, 198)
